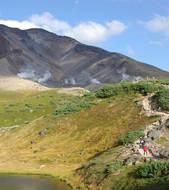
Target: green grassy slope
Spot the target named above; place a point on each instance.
(59, 133)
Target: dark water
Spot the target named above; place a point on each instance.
(31, 183)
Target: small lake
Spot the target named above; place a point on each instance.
(31, 183)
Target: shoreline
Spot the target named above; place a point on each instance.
(22, 173)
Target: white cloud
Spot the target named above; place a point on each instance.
(92, 32)
(18, 24)
(86, 32)
(159, 24)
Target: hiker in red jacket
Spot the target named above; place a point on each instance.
(145, 148)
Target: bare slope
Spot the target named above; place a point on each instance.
(59, 61)
(16, 83)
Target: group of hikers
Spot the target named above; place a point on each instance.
(144, 146)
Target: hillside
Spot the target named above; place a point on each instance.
(59, 61)
(81, 138)
(17, 84)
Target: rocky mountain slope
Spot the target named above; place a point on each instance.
(55, 60)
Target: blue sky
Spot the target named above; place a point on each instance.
(137, 28)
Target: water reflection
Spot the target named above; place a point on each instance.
(30, 183)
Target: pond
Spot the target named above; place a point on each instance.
(31, 183)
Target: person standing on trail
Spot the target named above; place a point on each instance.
(142, 142)
(145, 149)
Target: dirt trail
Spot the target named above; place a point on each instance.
(149, 111)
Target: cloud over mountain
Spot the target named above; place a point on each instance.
(159, 24)
(88, 32)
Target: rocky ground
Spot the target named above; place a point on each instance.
(156, 137)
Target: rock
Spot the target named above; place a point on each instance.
(43, 132)
(132, 160)
(147, 140)
(167, 124)
(164, 153)
(153, 134)
(41, 166)
(33, 142)
(139, 103)
(154, 151)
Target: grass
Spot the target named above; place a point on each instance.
(67, 141)
(131, 136)
(162, 141)
(24, 107)
(60, 133)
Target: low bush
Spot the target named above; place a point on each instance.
(108, 91)
(161, 99)
(142, 87)
(164, 82)
(75, 105)
(130, 137)
(112, 167)
(153, 169)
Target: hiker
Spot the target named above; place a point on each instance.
(142, 142)
(145, 148)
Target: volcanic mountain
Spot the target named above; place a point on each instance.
(47, 58)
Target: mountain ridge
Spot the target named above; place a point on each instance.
(59, 61)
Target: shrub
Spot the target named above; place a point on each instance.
(112, 167)
(142, 87)
(153, 169)
(145, 87)
(107, 91)
(75, 105)
(161, 99)
(130, 137)
(164, 82)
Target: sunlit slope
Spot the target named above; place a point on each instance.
(60, 139)
(16, 83)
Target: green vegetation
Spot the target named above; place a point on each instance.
(142, 87)
(118, 178)
(75, 105)
(77, 138)
(131, 136)
(161, 99)
(163, 82)
(96, 172)
(153, 169)
(24, 107)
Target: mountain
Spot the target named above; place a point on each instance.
(54, 60)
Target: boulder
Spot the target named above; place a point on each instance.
(164, 153)
(43, 132)
(167, 124)
(153, 134)
(132, 160)
(147, 140)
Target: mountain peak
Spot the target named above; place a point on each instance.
(45, 57)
